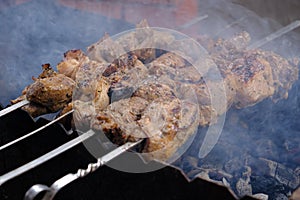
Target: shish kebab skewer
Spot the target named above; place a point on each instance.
(50, 191)
(25, 102)
(48, 72)
(67, 179)
(71, 82)
(75, 59)
(257, 44)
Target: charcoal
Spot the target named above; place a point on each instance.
(218, 175)
(287, 176)
(120, 93)
(234, 165)
(267, 185)
(279, 197)
(243, 187)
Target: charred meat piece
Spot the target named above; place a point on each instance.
(83, 114)
(254, 80)
(35, 109)
(118, 120)
(49, 93)
(87, 78)
(209, 113)
(152, 91)
(254, 74)
(101, 99)
(168, 124)
(22, 97)
(284, 72)
(52, 92)
(73, 59)
(169, 59)
(154, 113)
(105, 50)
(124, 75)
(186, 81)
(46, 73)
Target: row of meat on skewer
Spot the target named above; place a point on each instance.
(153, 93)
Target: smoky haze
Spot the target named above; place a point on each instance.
(259, 146)
(259, 149)
(39, 32)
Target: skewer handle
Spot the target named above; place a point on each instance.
(65, 180)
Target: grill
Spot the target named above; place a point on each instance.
(112, 184)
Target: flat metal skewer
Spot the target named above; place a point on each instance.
(13, 107)
(35, 131)
(229, 26)
(34, 163)
(192, 22)
(275, 35)
(65, 180)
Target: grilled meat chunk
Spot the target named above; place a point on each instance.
(35, 109)
(49, 93)
(124, 75)
(118, 120)
(152, 91)
(254, 74)
(254, 80)
(105, 50)
(73, 60)
(186, 81)
(52, 92)
(154, 113)
(284, 73)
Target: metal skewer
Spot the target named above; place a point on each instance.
(26, 102)
(35, 131)
(65, 180)
(229, 26)
(275, 35)
(192, 22)
(14, 173)
(13, 107)
(90, 133)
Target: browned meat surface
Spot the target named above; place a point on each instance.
(186, 80)
(83, 114)
(22, 97)
(129, 93)
(47, 72)
(254, 74)
(105, 50)
(170, 60)
(284, 72)
(254, 80)
(153, 113)
(168, 125)
(73, 59)
(124, 75)
(101, 99)
(118, 120)
(51, 92)
(35, 110)
(46, 94)
(152, 91)
(87, 78)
